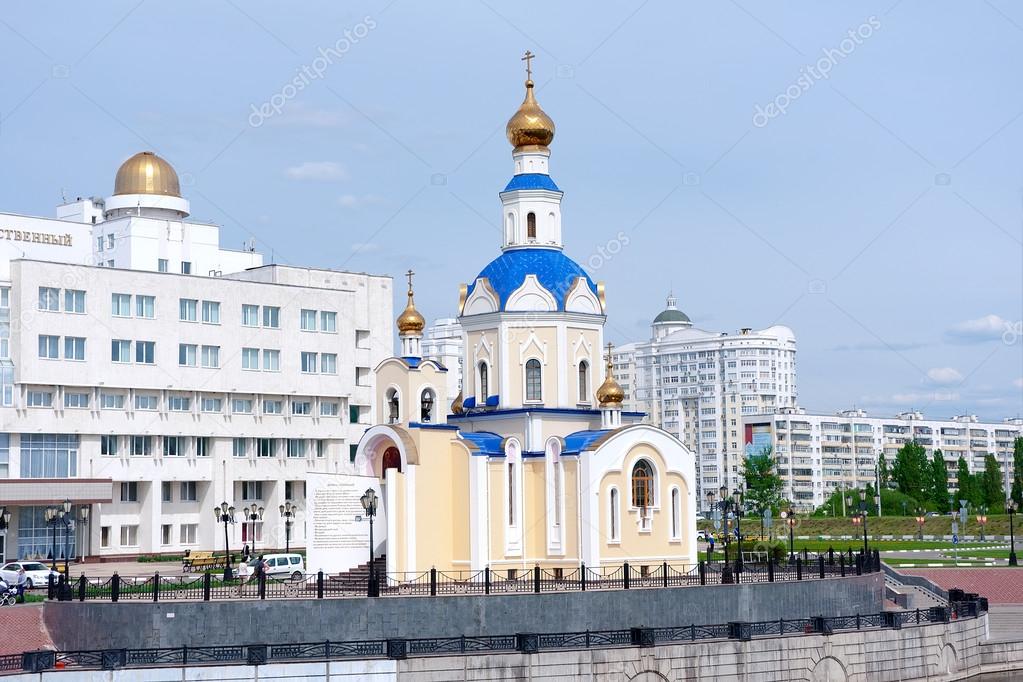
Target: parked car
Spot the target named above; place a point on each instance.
(36, 573)
(702, 535)
(933, 514)
(287, 565)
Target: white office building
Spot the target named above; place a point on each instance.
(699, 384)
(443, 341)
(817, 453)
(147, 375)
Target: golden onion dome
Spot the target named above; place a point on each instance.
(147, 173)
(410, 321)
(610, 393)
(530, 129)
(456, 404)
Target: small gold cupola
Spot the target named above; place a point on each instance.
(530, 128)
(410, 324)
(456, 404)
(610, 395)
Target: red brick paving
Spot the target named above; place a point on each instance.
(22, 629)
(999, 585)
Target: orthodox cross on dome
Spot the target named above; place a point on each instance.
(526, 58)
(610, 347)
(409, 276)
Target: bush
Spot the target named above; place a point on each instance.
(152, 558)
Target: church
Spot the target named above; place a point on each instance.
(534, 462)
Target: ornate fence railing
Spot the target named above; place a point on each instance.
(258, 654)
(213, 587)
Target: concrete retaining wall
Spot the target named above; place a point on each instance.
(100, 625)
(947, 651)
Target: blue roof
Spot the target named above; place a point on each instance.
(488, 442)
(411, 361)
(531, 181)
(555, 271)
(469, 402)
(581, 440)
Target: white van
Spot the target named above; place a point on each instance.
(283, 565)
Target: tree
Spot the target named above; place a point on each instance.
(939, 492)
(1017, 470)
(965, 485)
(763, 485)
(911, 469)
(991, 484)
(884, 473)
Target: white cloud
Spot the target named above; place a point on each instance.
(1018, 383)
(920, 399)
(365, 247)
(355, 201)
(944, 376)
(299, 115)
(317, 170)
(987, 328)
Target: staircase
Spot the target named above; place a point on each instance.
(358, 577)
(916, 597)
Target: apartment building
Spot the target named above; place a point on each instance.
(699, 385)
(817, 453)
(147, 375)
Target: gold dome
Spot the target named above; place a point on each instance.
(456, 404)
(147, 173)
(530, 129)
(410, 321)
(610, 393)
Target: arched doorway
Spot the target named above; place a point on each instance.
(390, 460)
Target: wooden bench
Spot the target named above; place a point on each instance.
(201, 561)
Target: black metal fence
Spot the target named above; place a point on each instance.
(212, 587)
(258, 654)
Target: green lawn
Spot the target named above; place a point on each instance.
(886, 525)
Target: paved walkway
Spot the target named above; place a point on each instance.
(999, 585)
(22, 629)
(126, 568)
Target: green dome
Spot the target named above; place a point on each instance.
(670, 315)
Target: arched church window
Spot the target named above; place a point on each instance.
(613, 515)
(426, 403)
(584, 376)
(533, 379)
(484, 388)
(390, 460)
(642, 485)
(676, 513)
(393, 406)
(510, 227)
(531, 225)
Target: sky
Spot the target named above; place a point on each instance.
(850, 170)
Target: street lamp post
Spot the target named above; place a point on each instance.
(369, 504)
(83, 521)
(1011, 508)
(982, 521)
(861, 520)
(737, 503)
(69, 523)
(225, 514)
(252, 514)
(790, 519)
(920, 518)
(288, 513)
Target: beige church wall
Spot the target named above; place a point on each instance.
(441, 502)
(594, 354)
(498, 508)
(571, 518)
(392, 374)
(400, 527)
(636, 546)
(534, 538)
(469, 373)
(521, 348)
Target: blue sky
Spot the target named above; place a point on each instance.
(879, 215)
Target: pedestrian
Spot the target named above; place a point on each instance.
(244, 571)
(22, 583)
(710, 541)
(246, 552)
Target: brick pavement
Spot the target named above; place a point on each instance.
(22, 629)
(999, 585)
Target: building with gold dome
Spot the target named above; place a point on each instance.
(534, 461)
(162, 374)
